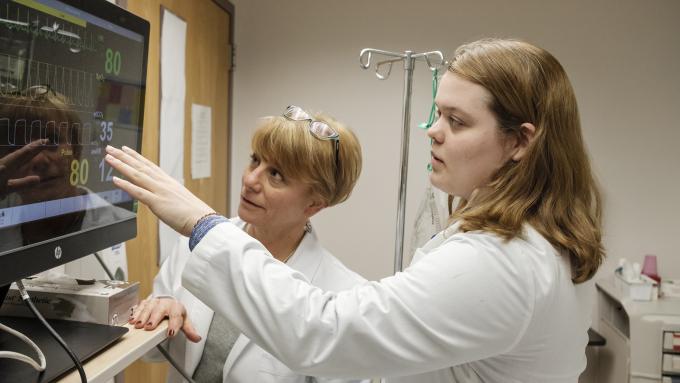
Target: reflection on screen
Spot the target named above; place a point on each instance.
(70, 84)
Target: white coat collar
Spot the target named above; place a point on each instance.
(436, 241)
(306, 258)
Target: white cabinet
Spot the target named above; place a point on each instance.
(640, 339)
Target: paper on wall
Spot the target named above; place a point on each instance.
(201, 123)
(173, 93)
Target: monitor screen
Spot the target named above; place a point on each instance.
(72, 80)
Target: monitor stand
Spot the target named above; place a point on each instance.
(84, 339)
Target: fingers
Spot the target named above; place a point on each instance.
(138, 170)
(135, 191)
(138, 177)
(150, 312)
(190, 332)
(127, 166)
(179, 320)
(137, 311)
(144, 313)
(138, 157)
(176, 318)
(25, 154)
(133, 159)
(21, 183)
(159, 312)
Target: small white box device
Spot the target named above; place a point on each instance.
(104, 302)
(642, 288)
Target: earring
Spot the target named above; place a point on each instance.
(308, 227)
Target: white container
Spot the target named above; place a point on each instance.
(642, 289)
(670, 288)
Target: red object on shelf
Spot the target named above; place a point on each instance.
(649, 268)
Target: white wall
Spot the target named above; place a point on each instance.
(622, 57)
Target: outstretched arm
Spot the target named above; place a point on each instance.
(457, 304)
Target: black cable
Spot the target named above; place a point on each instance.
(27, 300)
(159, 347)
(106, 269)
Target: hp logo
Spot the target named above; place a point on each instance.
(57, 252)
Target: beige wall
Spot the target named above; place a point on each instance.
(622, 56)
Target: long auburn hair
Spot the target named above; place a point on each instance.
(552, 187)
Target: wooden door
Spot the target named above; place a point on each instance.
(208, 82)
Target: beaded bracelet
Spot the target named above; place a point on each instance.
(202, 218)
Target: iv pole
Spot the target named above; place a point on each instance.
(433, 59)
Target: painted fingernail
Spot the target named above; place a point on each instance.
(172, 333)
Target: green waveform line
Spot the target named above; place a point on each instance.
(71, 42)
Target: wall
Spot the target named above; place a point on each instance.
(622, 57)
(207, 81)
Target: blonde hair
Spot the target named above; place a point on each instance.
(552, 187)
(298, 154)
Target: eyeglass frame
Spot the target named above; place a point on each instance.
(335, 137)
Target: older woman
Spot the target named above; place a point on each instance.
(299, 165)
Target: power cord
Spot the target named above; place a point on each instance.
(21, 357)
(103, 265)
(160, 348)
(27, 300)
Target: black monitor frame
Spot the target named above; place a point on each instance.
(31, 259)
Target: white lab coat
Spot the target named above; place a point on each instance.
(246, 362)
(500, 311)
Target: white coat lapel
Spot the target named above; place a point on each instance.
(201, 320)
(307, 257)
(306, 260)
(241, 343)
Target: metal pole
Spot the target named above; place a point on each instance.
(406, 121)
(409, 62)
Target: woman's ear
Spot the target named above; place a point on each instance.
(314, 207)
(525, 136)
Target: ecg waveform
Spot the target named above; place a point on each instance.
(23, 132)
(18, 74)
(17, 17)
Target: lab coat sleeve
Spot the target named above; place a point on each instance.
(167, 283)
(460, 303)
